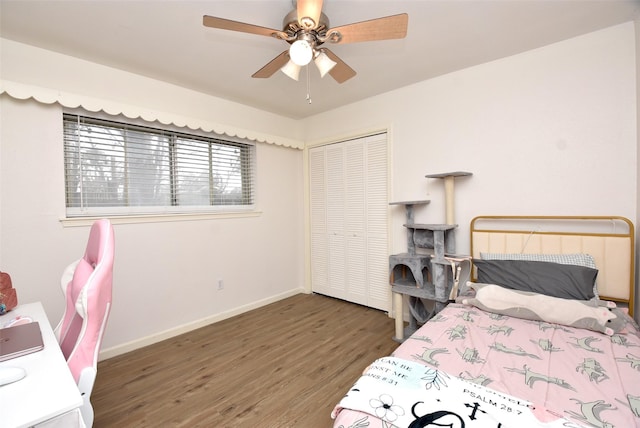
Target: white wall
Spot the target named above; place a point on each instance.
(93, 85)
(550, 131)
(166, 273)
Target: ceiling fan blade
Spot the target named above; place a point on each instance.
(272, 66)
(389, 27)
(227, 24)
(341, 72)
(309, 13)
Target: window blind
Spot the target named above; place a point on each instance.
(118, 168)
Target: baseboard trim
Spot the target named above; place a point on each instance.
(184, 328)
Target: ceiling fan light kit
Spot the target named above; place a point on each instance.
(323, 62)
(301, 52)
(306, 29)
(291, 69)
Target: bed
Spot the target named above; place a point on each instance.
(536, 338)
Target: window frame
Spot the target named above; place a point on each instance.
(175, 210)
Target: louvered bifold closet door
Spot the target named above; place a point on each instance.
(349, 217)
(337, 263)
(318, 212)
(355, 213)
(377, 214)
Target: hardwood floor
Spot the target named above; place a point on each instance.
(283, 365)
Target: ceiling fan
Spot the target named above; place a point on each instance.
(307, 29)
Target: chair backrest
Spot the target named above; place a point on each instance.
(88, 302)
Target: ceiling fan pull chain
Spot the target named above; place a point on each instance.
(308, 86)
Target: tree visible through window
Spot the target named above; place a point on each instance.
(117, 168)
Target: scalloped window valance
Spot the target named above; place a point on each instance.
(70, 100)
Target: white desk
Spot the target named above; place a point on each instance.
(48, 390)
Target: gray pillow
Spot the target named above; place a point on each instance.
(551, 279)
(579, 259)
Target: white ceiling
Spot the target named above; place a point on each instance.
(166, 40)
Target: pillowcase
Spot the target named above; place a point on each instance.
(591, 315)
(579, 259)
(552, 279)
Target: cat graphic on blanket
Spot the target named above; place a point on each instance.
(594, 314)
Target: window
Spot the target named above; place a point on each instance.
(116, 168)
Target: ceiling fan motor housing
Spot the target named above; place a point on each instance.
(315, 36)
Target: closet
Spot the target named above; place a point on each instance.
(349, 220)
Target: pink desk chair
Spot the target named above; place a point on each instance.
(86, 284)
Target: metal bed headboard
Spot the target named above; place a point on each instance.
(609, 240)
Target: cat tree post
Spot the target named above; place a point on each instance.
(449, 179)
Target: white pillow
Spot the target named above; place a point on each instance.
(590, 315)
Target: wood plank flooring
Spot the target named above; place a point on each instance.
(283, 365)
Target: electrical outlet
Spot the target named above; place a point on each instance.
(220, 284)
